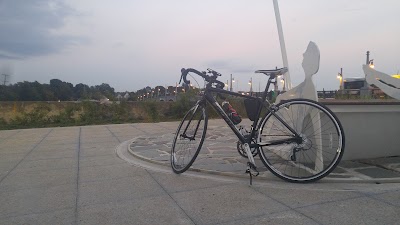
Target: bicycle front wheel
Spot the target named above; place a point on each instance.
(189, 139)
(320, 150)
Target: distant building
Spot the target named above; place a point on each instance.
(126, 96)
(353, 83)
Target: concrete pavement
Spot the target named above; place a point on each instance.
(88, 175)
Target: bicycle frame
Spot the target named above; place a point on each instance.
(217, 107)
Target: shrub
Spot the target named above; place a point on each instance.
(38, 117)
(152, 109)
(66, 117)
(184, 102)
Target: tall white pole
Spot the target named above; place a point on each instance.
(288, 82)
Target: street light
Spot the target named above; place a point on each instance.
(340, 77)
(232, 81)
(283, 83)
(371, 64)
(251, 85)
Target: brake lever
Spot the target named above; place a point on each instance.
(213, 72)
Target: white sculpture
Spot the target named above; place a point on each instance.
(388, 84)
(303, 115)
(310, 66)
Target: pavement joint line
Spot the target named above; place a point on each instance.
(162, 187)
(373, 196)
(37, 144)
(113, 134)
(78, 151)
(145, 132)
(288, 206)
(357, 177)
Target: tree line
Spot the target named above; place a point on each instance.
(57, 90)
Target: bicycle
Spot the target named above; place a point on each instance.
(298, 140)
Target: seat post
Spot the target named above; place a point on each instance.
(265, 94)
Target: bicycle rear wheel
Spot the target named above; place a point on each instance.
(189, 139)
(322, 144)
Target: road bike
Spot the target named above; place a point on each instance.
(298, 140)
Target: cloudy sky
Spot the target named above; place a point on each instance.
(131, 44)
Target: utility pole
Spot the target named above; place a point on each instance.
(5, 78)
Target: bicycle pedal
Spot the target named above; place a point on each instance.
(252, 169)
(249, 171)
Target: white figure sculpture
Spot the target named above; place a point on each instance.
(388, 84)
(310, 66)
(306, 90)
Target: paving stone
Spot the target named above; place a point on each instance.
(107, 172)
(26, 178)
(11, 157)
(302, 195)
(118, 189)
(152, 210)
(173, 183)
(287, 217)
(225, 203)
(96, 151)
(338, 169)
(391, 197)
(45, 164)
(378, 172)
(37, 200)
(51, 154)
(64, 216)
(353, 211)
(386, 160)
(352, 164)
(101, 160)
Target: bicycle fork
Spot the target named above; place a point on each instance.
(251, 164)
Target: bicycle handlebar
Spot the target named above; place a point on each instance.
(209, 79)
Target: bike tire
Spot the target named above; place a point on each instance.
(185, 149)
(322, 146)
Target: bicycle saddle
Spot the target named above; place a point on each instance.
(275, 72)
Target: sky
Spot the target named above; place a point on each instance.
(131, 44)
